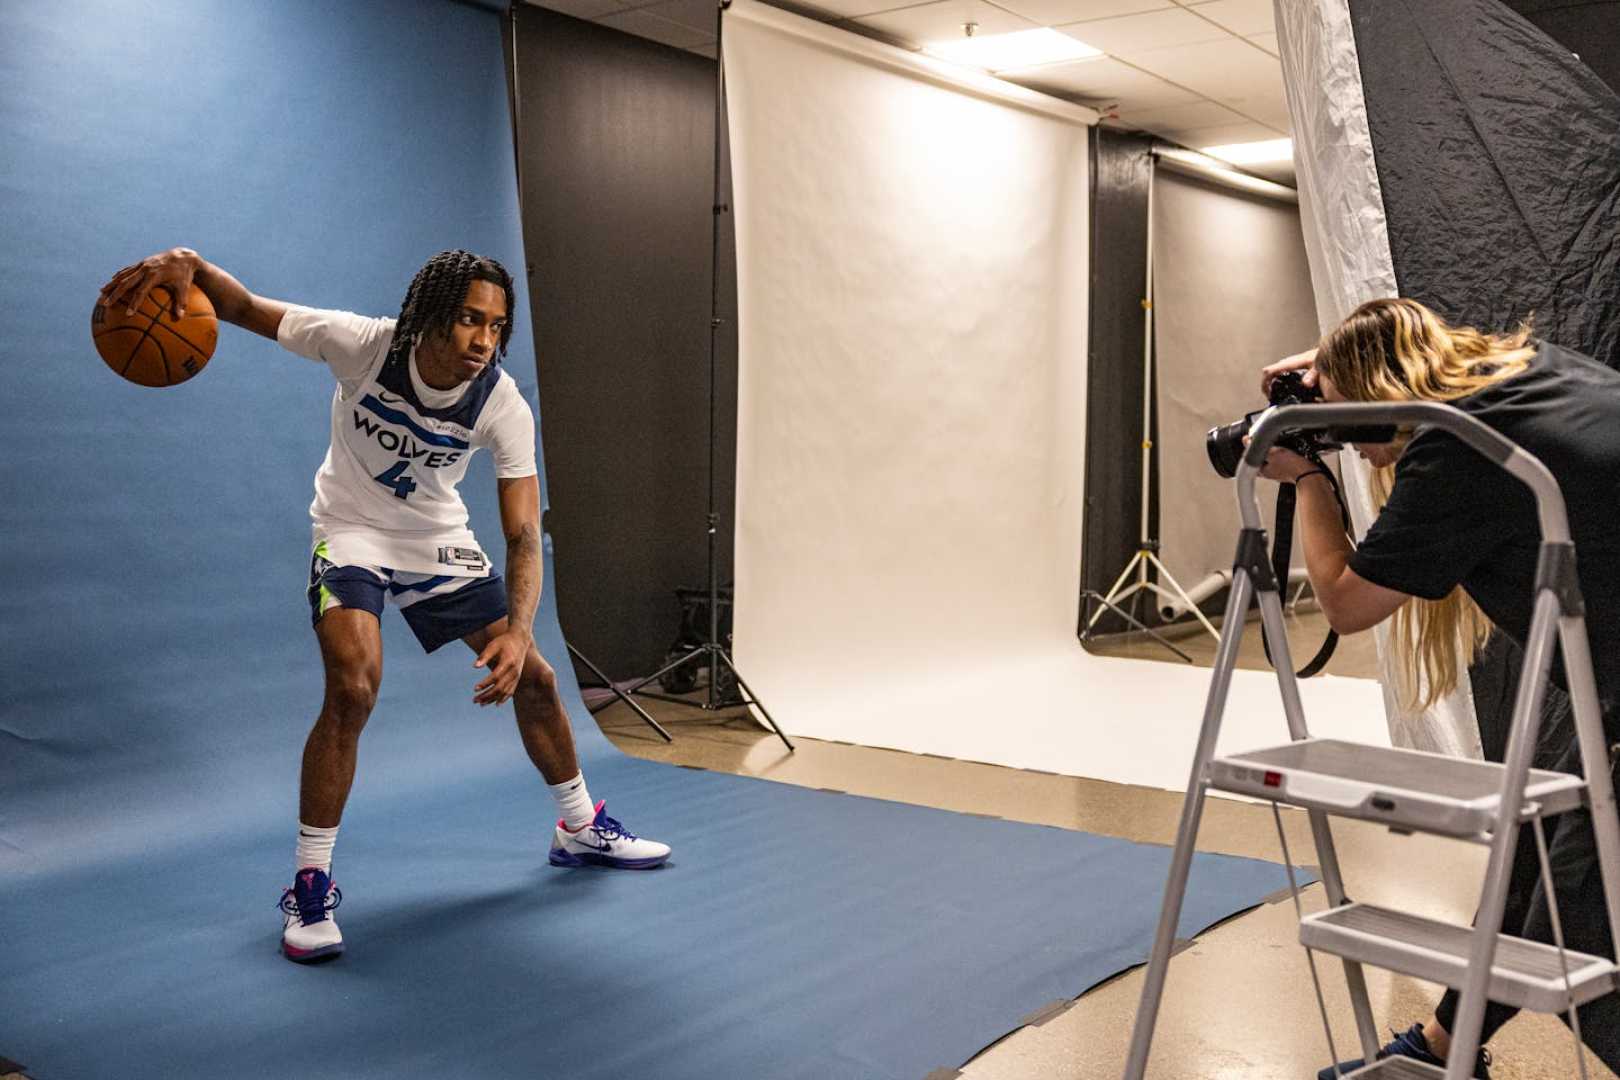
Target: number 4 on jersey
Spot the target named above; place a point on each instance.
(397, 479)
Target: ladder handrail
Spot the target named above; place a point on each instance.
(1407, 414)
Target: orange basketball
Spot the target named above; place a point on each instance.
(152, 347)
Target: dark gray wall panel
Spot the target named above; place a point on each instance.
(1120, 173)
(616, 139)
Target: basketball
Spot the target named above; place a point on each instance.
(152, 347)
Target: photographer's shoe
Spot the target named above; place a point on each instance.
(604, 842)
(308, 930)
(1411, 1044)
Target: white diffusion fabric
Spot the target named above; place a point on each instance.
(912, 284)
(1347, 240)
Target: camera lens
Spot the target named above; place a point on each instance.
(1225, 446)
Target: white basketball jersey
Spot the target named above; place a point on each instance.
(386, 493)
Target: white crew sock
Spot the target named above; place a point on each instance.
(315, 847)
(574, 802)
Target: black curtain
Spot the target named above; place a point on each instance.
(1513, 210)
(1588, 28)
(616, 145)
(1502, 191)
(1121, 171)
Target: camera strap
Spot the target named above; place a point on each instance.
(1282, 553)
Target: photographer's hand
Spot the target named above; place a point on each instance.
(1305, 360)
(1284, 466)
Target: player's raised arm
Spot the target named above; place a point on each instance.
(180, 268)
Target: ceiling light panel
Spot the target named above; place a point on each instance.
(1012, 52)
(1268, 151)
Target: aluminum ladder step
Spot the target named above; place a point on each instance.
(1397, 1068)
(1526, 974)
(1404, 789)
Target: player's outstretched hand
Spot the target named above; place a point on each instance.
(1306, 360)
(173, 268)
(504, 656)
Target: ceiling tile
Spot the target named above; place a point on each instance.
(694, 14)
(943, 20)
(1056, 12)
(1267, 42)
(1197, 114)
(1233, 72)
(1267, 104)
(644, 25)
(1198, 138)
(1149, 30)
(583, 9)
(1103, 81)
(1243, 17)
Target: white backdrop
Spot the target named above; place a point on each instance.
(1231, 292)
(912, 283)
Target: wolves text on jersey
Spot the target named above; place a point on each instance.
(410, 447)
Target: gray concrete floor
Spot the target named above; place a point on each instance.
(1239, 1002)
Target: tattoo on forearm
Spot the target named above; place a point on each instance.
(523, 576)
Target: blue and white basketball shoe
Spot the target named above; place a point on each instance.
(604, 842)
(308, 930)
(1409, 1044)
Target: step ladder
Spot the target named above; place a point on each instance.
(1411, 791)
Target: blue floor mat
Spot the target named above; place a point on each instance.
(795, 933)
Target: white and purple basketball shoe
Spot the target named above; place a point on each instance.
(604, 842)
(308, 930)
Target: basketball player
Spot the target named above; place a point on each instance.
(415, 398)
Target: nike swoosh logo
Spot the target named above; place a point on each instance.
(389, 399)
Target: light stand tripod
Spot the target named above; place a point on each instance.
(1147, 550)
(712, 651)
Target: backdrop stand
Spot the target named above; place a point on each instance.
(1147, 549)
(713, 651)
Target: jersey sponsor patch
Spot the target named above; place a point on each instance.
(471, 558)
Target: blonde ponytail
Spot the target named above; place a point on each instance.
(1398, 350)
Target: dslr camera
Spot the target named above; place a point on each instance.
(1225, 443)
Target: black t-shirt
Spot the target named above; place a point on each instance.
(1454, 518)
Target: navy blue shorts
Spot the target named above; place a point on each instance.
(439, 608)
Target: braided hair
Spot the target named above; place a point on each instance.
(433, 302)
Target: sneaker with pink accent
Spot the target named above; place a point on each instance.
(308, 929)
(604, 842)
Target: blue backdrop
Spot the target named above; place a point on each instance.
(159, 675)
(320, 152)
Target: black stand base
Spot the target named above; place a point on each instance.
(620, 694)
(712, 701)
(1093, 594)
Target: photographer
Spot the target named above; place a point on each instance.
(1455, 545)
